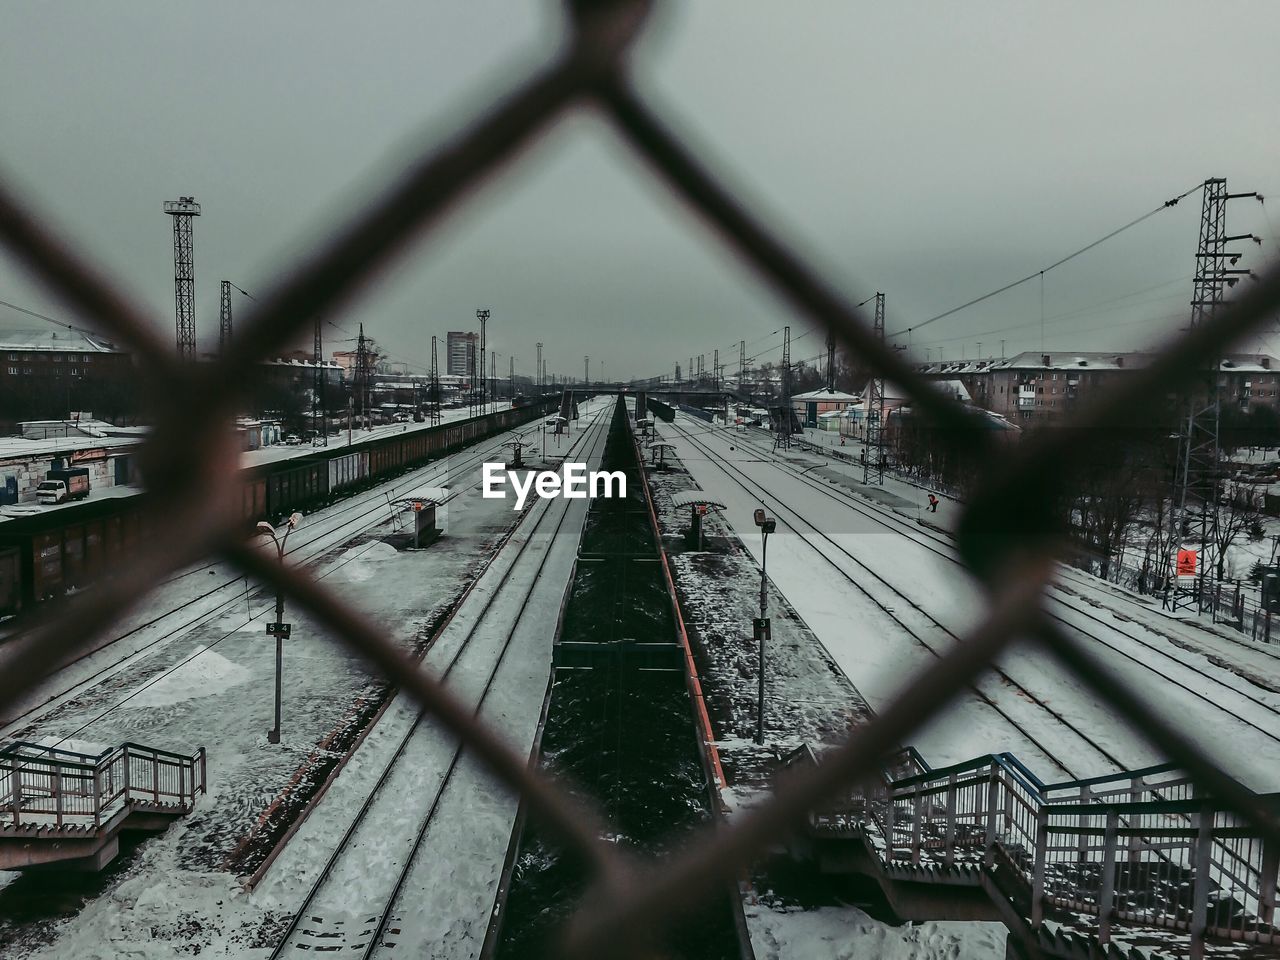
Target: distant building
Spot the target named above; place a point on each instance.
(461, 353)
(810, 406)
(49, 373)
(1046, 387)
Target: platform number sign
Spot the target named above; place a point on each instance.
(280, 629)
(1186, 564)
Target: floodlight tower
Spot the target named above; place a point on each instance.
(483, 317)
(224, 318)
(184, 277)
(537, 369)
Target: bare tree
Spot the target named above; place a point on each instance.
(1239, 508)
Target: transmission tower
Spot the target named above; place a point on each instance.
(586, 369)
(1198, 461)
(537, 370)
(433, 396)
(224, 318)
(742, 362)
(831, 362)
(784, 430)
(715, 369)
(873, 449)
(361, 385)
(318, 411)
(184, 275)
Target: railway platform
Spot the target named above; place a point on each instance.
(66, 808)
(415, 862)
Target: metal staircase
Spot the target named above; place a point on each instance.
(1134, 851)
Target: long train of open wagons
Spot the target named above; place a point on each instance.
(44, 555)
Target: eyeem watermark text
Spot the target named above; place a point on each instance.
(573, 482)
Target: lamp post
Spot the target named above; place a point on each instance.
(279, 629)
(760, 626)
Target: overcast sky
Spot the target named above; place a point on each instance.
(933, 152)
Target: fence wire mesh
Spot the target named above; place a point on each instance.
(190, 468)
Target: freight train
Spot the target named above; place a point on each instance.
(46, 554)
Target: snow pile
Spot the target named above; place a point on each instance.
(205, 675)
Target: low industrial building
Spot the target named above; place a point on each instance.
(1043, 388)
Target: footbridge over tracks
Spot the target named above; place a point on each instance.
(66, 808)
(1068, 867)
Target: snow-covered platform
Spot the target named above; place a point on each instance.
(406, 850)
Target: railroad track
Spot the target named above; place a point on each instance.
(1066, 572)
(324, 536)
(1057, 596)
(400, 776)
(789, 517)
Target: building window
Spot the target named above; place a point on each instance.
(13, 356)
(88, 357)
(56, 358)
(75, 371)
(13, 371)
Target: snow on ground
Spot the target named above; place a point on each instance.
(898, 581)
(808, 700)
(212, 685)
(846, 933)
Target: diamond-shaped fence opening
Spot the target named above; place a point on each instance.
(190, 467)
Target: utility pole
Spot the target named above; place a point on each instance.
(760, 626)
(483, 317)
(184, 276)
(742, 362)
(224, 318)
(1198, 460)
(280, 630)
(784, 434)
(831, 362)
(511, 376)
(873, 447)
(492, 392)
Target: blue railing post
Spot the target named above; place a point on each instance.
(951, 819)
(915, 826)
(1203, 852)
(1106, 898)
(993, 812)
(1037, 876)
(1268, 877)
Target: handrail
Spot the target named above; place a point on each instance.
(1190, 863)
(38, 783)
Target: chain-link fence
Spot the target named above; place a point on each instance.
(1006, 535)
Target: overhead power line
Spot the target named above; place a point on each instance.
(1057, 263)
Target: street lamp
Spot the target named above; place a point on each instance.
(760, 626)
(279, 629)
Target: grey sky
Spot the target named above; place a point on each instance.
(932, 152)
